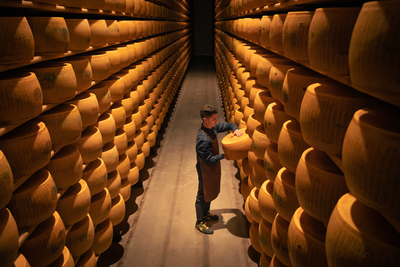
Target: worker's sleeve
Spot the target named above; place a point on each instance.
(204, 150)
(226, 126)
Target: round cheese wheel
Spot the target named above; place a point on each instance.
(294, 87)
(247, 210)
(261, 102)
(103, 236)
(9, 238)
(272, 165)
(306, 240)
(372, 69)
(260, 142)
(90, 144)
(100, 206)
(371, 157)
(284, 194)
(253, 205)
(258, 173)
(291, 145)
(275, 34)
(326, 112)
(265, 202)
(274, 118)
(358, 235)
(265, 260)
(253, 233)
(236, 147)
(329, 38)
(295, 35)
(95, 175)
(265, 29)
(264, 235)
(279, 235)
(319, 184)
(80, 237)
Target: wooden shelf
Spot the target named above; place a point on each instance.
(290, 5)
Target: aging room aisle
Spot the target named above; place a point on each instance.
(163, 232)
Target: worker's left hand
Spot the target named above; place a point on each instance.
(238, 133)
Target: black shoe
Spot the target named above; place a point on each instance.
(211, 218)
(202, 227)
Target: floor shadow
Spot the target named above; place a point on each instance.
(112, 255)
(236, 225)
(253, 254)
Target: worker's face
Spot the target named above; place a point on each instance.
(210, 122)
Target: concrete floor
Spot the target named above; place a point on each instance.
(158, 229)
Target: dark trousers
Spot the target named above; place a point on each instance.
(202, 207)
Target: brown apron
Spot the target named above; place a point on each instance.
(211, 174)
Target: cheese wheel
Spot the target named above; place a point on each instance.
(114, 55)
(275, 33)
(277, 76)
(279, 235)
(64, 123)
(358, 235)
(253, 205)
(103, 236)
(253, 93)
(21, 96)
(247, 169)
(284, 194)
(140, 160)
(236, 147)
(291, 145)
(46, 243)
(265, 29)
(100, 63)
(265, 260)
(247, 209)
(114, 183)
(90, 144)
(51, 35)
(258, 173)
(18, 42)
(79, 34)
(255, 58)
(252, 158)
(80, 238)
(261, 102)
(265, 201)
(74, 204)
(83, 71)
(253, 233)
(370, 158)
(260, 142)
(125, 191)
(106, 126)
(274, 118)
(6, 181)
(121, 141)
(326, 112)
(98, 31)
(118, 112)
(117, 213)
(57, 81)
(319, 184)
(272, 165)
(95, 175)
(112, 31)
(329, 39)
(264, 68)
(245, 188)
(35, 200)
(133, 175)
(264, 235)
(65, 259)
(88, 259)
(306, 240)
(9, 238)
(295, 35)
(294, 87)
(248, 110)
(102, 96)
(100, 206)
(376, 74)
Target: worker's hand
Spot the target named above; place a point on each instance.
(238, 133)
(226, 157)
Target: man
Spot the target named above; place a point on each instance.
(208, 165)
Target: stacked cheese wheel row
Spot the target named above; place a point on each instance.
(50, 83)
(67, 173)
(296, 195)
(136, 8)
(26, 37)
